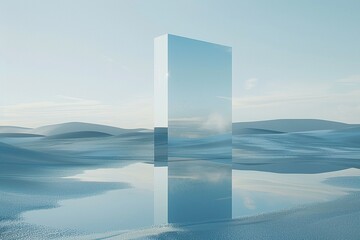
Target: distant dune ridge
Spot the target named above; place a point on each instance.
(304, 146)
(20, 135)
(83, 130)
(81, 134)
(72, 128)
(79, 127)
(10, 154)
(12, 129)
(290, 125)
(254, 131)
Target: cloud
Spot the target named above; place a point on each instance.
(64, 105)
(137, 113)
(69, 98)
(354, 79)
(303, 186)
(337, 100)
(205, 173)
(114, 62)
(216, 122)
(138, 175)
(225, 98)
(249, 202)
(186, 119)
(300, 103)
(251, 83)
(267, 100)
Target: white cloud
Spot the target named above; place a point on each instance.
(251, 83)
(249, 202)
(337, 100)
(70, 98)
(139, 175)
(225, 98)
(354, 79)
(277, 98)
(319, 104)
(186, 119)
(216, 122)
(303, 186)
(133, 114)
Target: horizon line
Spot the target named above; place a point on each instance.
(102, 124)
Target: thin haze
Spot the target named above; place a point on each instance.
(92, 61)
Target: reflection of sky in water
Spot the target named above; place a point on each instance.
(260, 192)
(252, 193)
(114, 210)
(199, 190)
(139, 175)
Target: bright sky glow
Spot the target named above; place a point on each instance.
(92, 61)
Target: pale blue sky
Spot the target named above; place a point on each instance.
(93, 60)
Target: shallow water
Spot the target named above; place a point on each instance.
(253, 193)
(257, 192)
(122, 209)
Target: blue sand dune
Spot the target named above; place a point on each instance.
(19, 135)
(82, 134)
(239, 131)
(293, 125)
(305, 152)
(19, 156)
(79, 127)
(12, 129)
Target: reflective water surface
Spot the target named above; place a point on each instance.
(253, 193)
